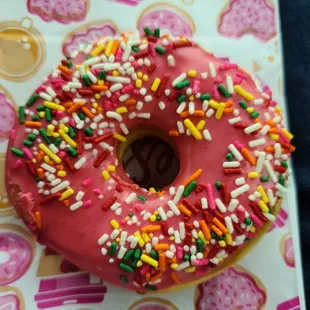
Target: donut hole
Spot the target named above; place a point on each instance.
(4, 257)
(150, 159)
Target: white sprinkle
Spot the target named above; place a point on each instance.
(257, 142)
(103, 239)
(258, 101)
(114, 233)
(148, 98)
(230, 84)
(239, 191)
(124, 129)
(231, 164)
(48, 168)
(118, 79)
(229, 224)
(147, 62)
(178, 194)
(92, 77)
(104, 145)
(277, 148)
(148, 248)
(45, 96)
(189, 91)
(123, 237)
(240, 181)
(252, 198)
(270, 171)
(104, 251)
(269, 216)
(204, 203)
(123, 97)
(133, 242)
(193, 249)
(154, 240)
(281, 188)
(116, 87)
(177, 239)
(252, 128)
(143, 91)
(205, 105)
(170, 231)
(80, 162)
(206, 135)
(76, 205)
(173, 207)
(199, 256)
(277, 119)
(55, 182)
(162, 213)
(51, 92)
(271, 198)
(60, 187)
(194, 234)
(162, 105)
(191, 107)
(132, 115)
(260, 162)
(167, 92)
(183, 265)
(220, 205)
(139, 105)
(171, 61)
(234, 120)
(204, 75)
(172, 190)
(80, 125)
(179, 79)
(234, 218)
(144, 115)
(212, 70)
(115, 206)
(130, 71)
(181, 107)
(114, 115)
(169, 254)
(40, 184)
(188, 132)
(209, 113)
(182, 230)
(79, 196)
(170, 214)
(130, 198)
(236, 112)
(180, 127)
(75, 85)
(257, 194)
(240, 238)
(118, 211)
(122, 251)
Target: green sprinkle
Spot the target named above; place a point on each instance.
(182, 84)
(142, 198)
(199, 245)
(40, 108)
(137, 253)
(71, 151)
(88, 132)
(154, 255)
(32, 100)
(124, 278)
(130, 214)
(223, 91)
(215, 236)
(158, 218)
(48, 114)
(17, 152)
(102, 75)
(71, 132)
(126, 267)
(151, 287)
(218, 185)
(160, 50)
(186, 257)
(157, 32)
(88, 57)
(32, 137)
(129, 254)
(81, 115)
(57, 141)
(135, 49)
(247, 221)
(243, 105)
(35, 118)
(148, 31)
(181, 98)
(69, 64)
(21, 112)
(190, 187)
(284, 164)
(282, 180)
(86, 80)
(113, 249)
(27, 143)
(229, 156)
(44, 135)
(264, 178)
(205, 97)
(247, 239)
(68, 57)
(254, 114)
(134, 263)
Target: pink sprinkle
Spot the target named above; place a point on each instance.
(61, 154)
(151, 50)
(87, 204)
(136, 92)
(13, 134)
(17, 164)
(179, 253)
(118, 55)
(238, 145)
(138, 207)
(72, 122)
(115, 96)
(41, 88)
(241, 76)
(27, 153)
(58, 86)
(210, 197)
(237, 81)
(96, 191)
(196, 86)
(127, 89)
(107, 105)
(144, 269)
(256, 220)
(201, 262)
(86, 182)
(241, 214)
(152, 271)
(135, 65)
(60, 115)
(273, 103)
(123, 222)
(283, 137)
(216, 94)
(169, 48)
(217, 80)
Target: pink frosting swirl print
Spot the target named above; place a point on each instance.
(280, 221)
(127, 2)
(235, 288)
(16, 255)
(9, 302)
(7, 116)
(169, 19)
(256, 17)
(290, 304)
(63, 11)
(287, 250)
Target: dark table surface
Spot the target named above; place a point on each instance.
(295, 16)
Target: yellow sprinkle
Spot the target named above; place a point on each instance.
(127, 218)
(97, 97)
(190, 269)
(111, 168)
(220, 111)
(262, 192)
(61, 173)
(139, 74)
(153, 218)
(171, 238)
(263, 206)
(149, 260)
(95, 105)
(192, 73)
(41, 114)
(138, 83)
(114, 224)
(222, 243)
(192, 98)
(156, 212)
(152, 190)
(66, 194)
(97, 50)
(121, 110)
(49, 153)
(252, 229)
(243, 93)
(50, 130)
(202, 237)
(109, 48)
(213, 104)
(183, 39)
(253, 175)
(151, 235)
(174, 266)
(250, 110)
(54, 106)
(46, 159)
(146, 237)
(201, 124)
(274, 137)
(139, 263)
(34, 160)
(119, 137)
(101, 83)
(115, 73)
(105, 175)
(191, 127)
(220, 258)
(228, 238)
(67, 138)
(155, 84)
(140, 240)
(287, 134)
(56, 134)
(145, 78)
(117, 239)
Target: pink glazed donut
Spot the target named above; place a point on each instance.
(148, 161)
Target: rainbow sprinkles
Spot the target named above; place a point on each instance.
(229, 135)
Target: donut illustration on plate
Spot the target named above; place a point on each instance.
(153, 304)
(290, 304)
(168, 18)
(128, 2)
(234, 288)
(64, 11)
(241, 17)
(287, 250)
(11, 299)
(16, 252)
(22, 50)
(87, 34)
(5, 205)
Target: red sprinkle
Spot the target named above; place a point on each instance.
(69, 164)
(79, 142)
(164, 228)
(279, 168)
(180, 44)
(219, 216)
(214, 251)
(190, 206)
(31, 168)
(85, 92)
(189, 226)
(188, 238)
(109, 203)
(237, 228)
(141, 54)
(101, 157)
(225, 193)
(103, 137)
(152, 39)
(257, 211)
(174, 95)
(230, 171)
(151, 68)
(200, 187)
(206, 216)
(68, 95)
(162, 85)
(50, 198)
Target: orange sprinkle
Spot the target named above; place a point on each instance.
(219, 225)
(193, 177)
(162, 262)
(75, 107)
(205, 229)
(161, 247)
(38, 219)
(228, 104)
(87, 112)
(59, 167)
(68, 104)
(161, 193)
(66, 202)
(115, 47)
(172, 260)
(147, 276)
(40, 173)
(257, 120)
(206, 252)
(184, 210)
(40, 156)
(130, 101)
(273, 130)
(173, 133)
(99, 110)
(31, 124)
(175, 277)
(198, 113)
(216, 230)
(64, 69)
(269, 149)
(271, 123)
(150, 229)
(156, 276)
(248, 156)
(99, 87)
(51, 163)
(228, 110)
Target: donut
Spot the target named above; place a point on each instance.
(16, 253)
(144, 101)
(287, 250)
(152, 303)
(65, 11)
(6, 208)
(11, 298)
(235, 288)
(241, 17)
